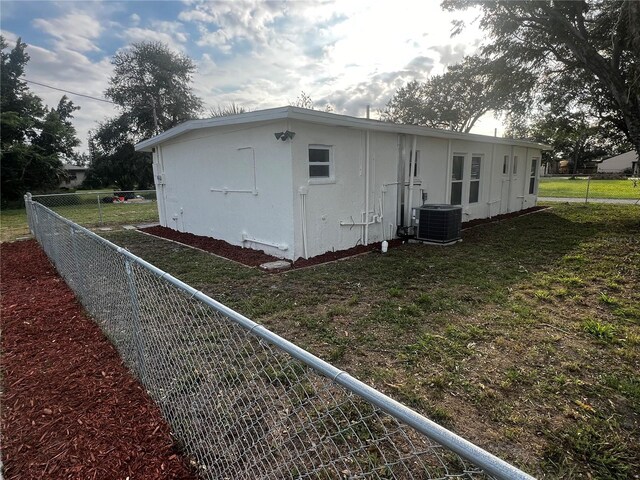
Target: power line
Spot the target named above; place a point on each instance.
(72, 93)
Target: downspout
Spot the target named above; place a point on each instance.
(400, 188)
(511, 165)
(411, 177)
(493, 157)
(525, 177)
(303, 213)
(163, 200)
(367, 167)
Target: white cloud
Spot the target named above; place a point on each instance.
(171, 33)
(135, 19)
(74, 31)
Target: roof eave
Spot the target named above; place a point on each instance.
(316, 116)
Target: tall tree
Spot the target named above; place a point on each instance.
(456, 99)
(596, 40)
(152, 85)
(35, 139)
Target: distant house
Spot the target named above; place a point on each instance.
(298, 183)
(74, 176)
(620, 163)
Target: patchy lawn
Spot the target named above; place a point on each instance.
(577, 188)
(524, 338)
(13, 222)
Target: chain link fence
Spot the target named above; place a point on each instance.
(105, 207)
(242, 401)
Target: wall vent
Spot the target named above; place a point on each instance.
(438, 223)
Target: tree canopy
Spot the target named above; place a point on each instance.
(35, 139)
(590, 47)
(151, 85)
(456, 99)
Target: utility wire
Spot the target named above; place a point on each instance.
(72, 93)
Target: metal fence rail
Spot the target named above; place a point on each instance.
(242, 401)
(103, 207)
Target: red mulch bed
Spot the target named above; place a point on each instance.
(498, 218)
(254, 258)
(71, 409)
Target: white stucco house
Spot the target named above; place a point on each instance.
(297, 183)
(619, 163)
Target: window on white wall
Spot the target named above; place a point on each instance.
(515, 164)
(457, 175)
(533, 174)
(505, 165)
(474, 182)
(320, 162)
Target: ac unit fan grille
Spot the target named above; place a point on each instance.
(439, 223)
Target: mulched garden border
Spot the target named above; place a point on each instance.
(71, 409)
(255, 258)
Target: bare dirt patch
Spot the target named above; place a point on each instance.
(71, 408)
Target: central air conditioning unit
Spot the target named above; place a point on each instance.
(438, 223)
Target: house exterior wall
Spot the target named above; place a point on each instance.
(342, 198)
(207, 185)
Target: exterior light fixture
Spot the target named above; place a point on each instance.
(284, 136)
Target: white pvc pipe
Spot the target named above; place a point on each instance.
(303, 214)
(493, 157)
(367, 167)
(447, 198)
(279, 246)
(412, 163)
(511, 165)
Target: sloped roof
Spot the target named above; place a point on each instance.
(324, 118)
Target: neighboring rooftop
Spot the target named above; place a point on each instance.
(324, 118)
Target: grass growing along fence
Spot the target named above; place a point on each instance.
(577, 188)
(82, 209)
(524, 338)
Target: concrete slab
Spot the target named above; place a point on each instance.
(277, 265)
(128, 227)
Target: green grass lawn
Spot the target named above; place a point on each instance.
(524, 338)
(13, 223)
(564, 187)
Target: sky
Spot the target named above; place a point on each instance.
(255, 53)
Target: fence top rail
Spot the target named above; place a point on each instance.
(104, 192)
(488, 462)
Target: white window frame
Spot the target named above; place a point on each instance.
(505, 165)
(478, 180)
(533, 175)
(321, 180)
(514, 167)
(461, 181)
